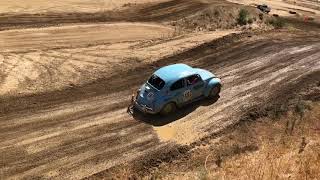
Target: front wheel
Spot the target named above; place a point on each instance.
(214, 92)
(168, 109)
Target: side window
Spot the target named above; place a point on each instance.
(177, 85)
(194, 79)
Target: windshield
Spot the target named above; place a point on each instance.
(156, 82)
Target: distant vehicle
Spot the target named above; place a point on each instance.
(264, 8)
(174, 86)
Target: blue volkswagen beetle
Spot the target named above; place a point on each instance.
(174, 86)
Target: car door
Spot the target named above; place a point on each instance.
(196, 85)
(177, 91)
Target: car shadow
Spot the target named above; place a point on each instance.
(158, 120)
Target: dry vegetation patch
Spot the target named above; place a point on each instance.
(220, 16)
(285, 144)
(270, 148)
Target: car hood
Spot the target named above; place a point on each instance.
(205, 75)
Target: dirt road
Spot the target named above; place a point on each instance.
(43, 6)
(79, 35)
(55, 58)
(82, 131)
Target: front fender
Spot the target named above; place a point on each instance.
(212, 82)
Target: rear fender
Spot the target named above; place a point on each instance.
(163, 101)
(212, 82)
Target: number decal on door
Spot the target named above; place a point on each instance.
(187, 95)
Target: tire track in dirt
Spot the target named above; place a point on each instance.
(92, 147)
(99, 135)
(263, 86)
(155, 11)
(51, 58)
(56, 69)
(75, 139)
(237, 100)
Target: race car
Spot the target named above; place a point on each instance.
(264, 8)
(174, 86)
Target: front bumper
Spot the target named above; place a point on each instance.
(144, 108)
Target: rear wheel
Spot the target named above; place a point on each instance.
(168, 109)
(214, 92)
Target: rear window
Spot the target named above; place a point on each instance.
(156, 82)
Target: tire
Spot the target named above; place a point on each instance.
(168, 109)
(215, 91)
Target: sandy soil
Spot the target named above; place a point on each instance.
(154, 11)
(48, 59)
(87, 130)
(32, 63)
(42, 6)
(79, 35)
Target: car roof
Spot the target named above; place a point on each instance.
(174, 72)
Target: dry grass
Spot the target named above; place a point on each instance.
(283, 153)
(285, 147)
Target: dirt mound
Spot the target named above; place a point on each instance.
(171, 10)
(217, 16)
(189, 14)
(154, 11)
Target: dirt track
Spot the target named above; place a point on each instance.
(63, 104)
(155, 11)
(50, 59)
(77, 138)
(43, 6)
